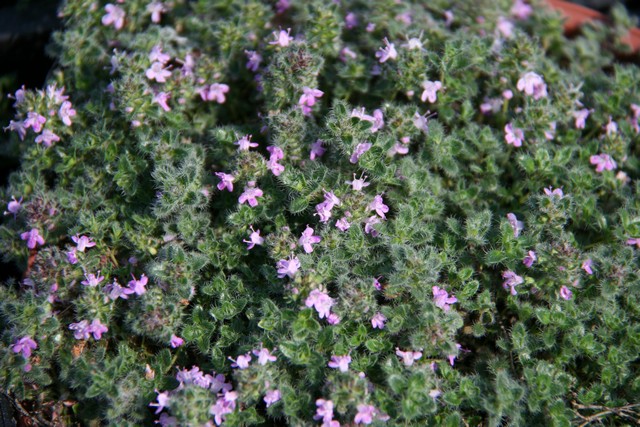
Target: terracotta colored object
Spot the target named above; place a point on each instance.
(577, 15)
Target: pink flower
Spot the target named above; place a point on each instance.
(245, 143)
(324, 411)
(550, 191)
(282, 38)
(511, 281)
(517, 226)
(71, 256)
(47, 138)
(369, 223)
(308, 99)
(611, 127)
(176, 341)
(603, 162)
(323, 210)
(138, 286)
(581, 116)
(378, 120)
(33, 238)
(250, 193)
(442, 299)
(340, 362)
(162, 401)
(331, 199)
(215, 92)
(513, 135)
(307, 239)
(282, 6)
(333, 319)
(254, 238)
(18, 127)
(378, 206)
(273, 165)
(350, 21)
(66, 112)
(115, 15)
(505, 27)
(365, 414)
(316, 149)
(264, 356)
(358, 184)
(408, 357)
(586, 266)
(565, 293)
(92, 280)
(241, 362)
(377, 284)
(635, 120)
(34, 121)
(387, 52)
(320, 301)
(83, 242)
(530, 259)
(377, 321)
(271, 397)
(288, 267)
(155, 9)
(521, 10)
(223, 406)
(161, 99)
(430, 90)
(452, 357)
(157, 72)
(24, 346)
(421, 121)
(254, 59)
(226, 181)
(13, 207)
(361, 148)
(532, 84)
(342, 224)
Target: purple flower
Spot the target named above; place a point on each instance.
(254, 238)
(82, 242)
(377, 284)
(342, 224)
(92, 280)
(442, 299)
(565, 293)
(250, 193)
(161, 99)
(421, 121)
(176, 341)
(378, 120)
(634, 242)
(97, 329)
(308, 99)
(430, 90)
(307, 239)
(276, 154)
(340, 362)
(215, 92)
(516, 225)
(529, 259)
(223, 406)
(115, 291)
(323, 209)
(81, 330)
(377, 321)
(245, 143)
(358, 184)
(282, 38)
(581, 116)
(387, 52)
(505, 27)
(365, 414)
(360, 114)
(603, 162)
(350, 21)
(368, 225)
(532, 84)
(19, 127)
(13, 207)
(521, 10)
(226, 181)
(511, 281)
(241, 362)
(550, 191)
(320, 301)
(24, 346)
(324, 411)
(47, 138)
(115, 15)
(452, 357)
(157, 72)
(66, 112)
(611, 127)
(138, 286)
(288, 267)
(34, 121)
(513, 135)
(71, 256)
(155, 9)
(254, 59)
(163, 402)
(282, 6)
(361, 148)
(33, 238)
(408, 357)
(378, 206)
(333, 319)
(264, 356)
(586, 266)
(271, 397)
(316, 149)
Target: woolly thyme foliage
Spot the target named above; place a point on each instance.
(245, 213)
